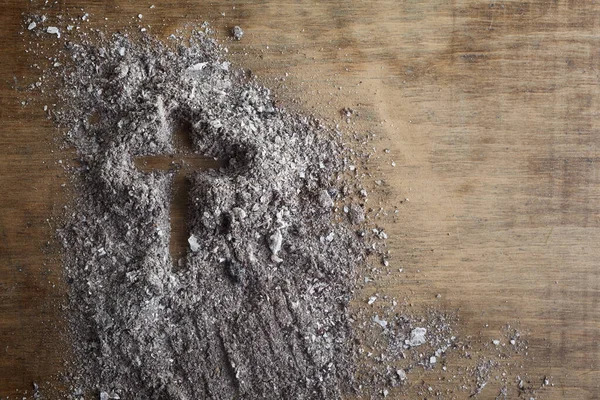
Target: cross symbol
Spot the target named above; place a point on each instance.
(181, 164)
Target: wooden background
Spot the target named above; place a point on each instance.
(490, 112)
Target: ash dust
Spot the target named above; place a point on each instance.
(281, 238)
(258, 308)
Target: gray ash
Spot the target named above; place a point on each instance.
(258, 308)
(237, 32)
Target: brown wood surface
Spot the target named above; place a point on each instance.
(489, 109)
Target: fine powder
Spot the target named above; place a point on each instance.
(258, 307)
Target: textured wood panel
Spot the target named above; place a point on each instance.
(489, 109)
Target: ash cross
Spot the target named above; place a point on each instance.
(182, 163)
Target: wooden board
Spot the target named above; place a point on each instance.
(489, 110)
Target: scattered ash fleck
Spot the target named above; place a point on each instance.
(395, 343)
(482, 374)
(237, 32)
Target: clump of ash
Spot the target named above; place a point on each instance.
(258, 306)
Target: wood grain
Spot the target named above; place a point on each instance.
(489, 110)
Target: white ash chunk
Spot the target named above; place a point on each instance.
(216, 123)
(417, 337)
(275, 242)
(239, 213)
(194, 245)
(237, 32)
(53, 31)
(401, 374)
(329, 238)
(380, 322)
(325, 199)
(31, 26)
(197, 67)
